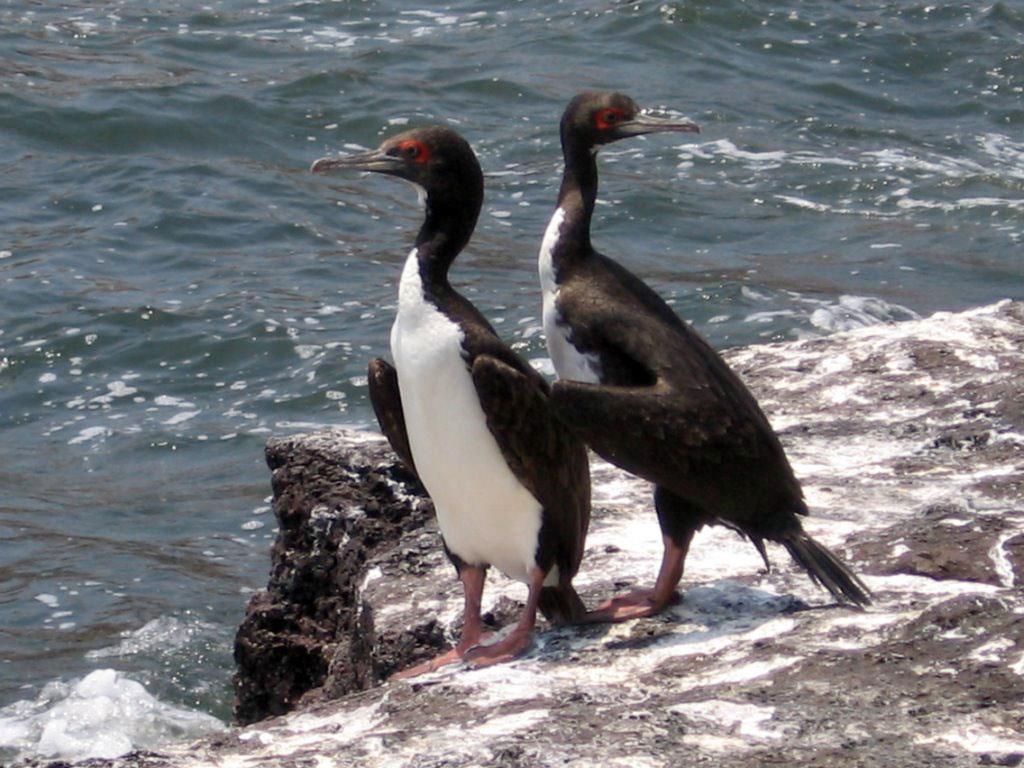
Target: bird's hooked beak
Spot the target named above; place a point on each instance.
(375, 161)
(643, 124)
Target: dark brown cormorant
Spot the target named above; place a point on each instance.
(648, 394)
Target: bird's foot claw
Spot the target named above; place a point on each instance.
(457, 654)
(454, 656)
(506, 649)
(633, 605)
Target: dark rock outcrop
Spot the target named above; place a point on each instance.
(356, 537)
(308, 637)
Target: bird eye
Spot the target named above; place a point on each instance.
(414, 151)
(607, 118)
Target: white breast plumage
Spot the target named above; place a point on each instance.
(568, 361)
(486, 515)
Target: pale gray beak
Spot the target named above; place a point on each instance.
(374, 160)
(644, 124)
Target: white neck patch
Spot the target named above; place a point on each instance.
(421, 193)
(568, 362)
(545, 261)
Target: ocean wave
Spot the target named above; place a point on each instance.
(103, 715)
(851, 312)
(1002, 158)
(809, 316)
(889, 182)
(163, 635)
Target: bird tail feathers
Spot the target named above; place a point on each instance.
(826, 570)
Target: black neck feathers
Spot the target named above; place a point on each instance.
(454, 192)
(577, 197)
(446, 230)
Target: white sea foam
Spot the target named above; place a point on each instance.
(915, 172)
(856, 312)
(164, 635)
(168, 400)
(105, 714)
(826, 315)
(90, 433)
(120, 389)
(1008, 153)
(799, 202)
(180, 417)
(725, 148)
(337, 38)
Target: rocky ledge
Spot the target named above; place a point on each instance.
(909, 440)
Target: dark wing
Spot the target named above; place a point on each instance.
(648, 431)
(546, 457)
(387, 404)
(641, 341)
(695, 430)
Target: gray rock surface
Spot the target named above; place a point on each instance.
(909, 440)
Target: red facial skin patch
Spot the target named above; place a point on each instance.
(414, 150)
(608, 118)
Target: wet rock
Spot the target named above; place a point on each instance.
(908, 439)
(339, 502)
(942, 542)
